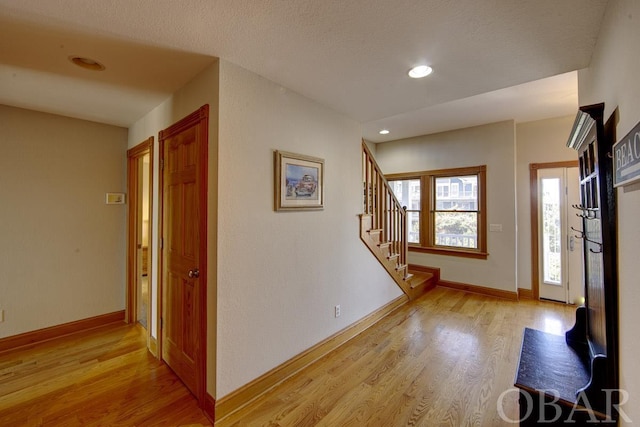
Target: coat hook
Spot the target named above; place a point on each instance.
(580, 232)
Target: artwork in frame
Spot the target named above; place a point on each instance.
(299, 182)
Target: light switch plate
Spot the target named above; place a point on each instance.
(115, 198)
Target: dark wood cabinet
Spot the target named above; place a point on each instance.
(575, 378)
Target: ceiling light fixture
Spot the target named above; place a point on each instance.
(420, 71)
(87, 63)
(384, 132)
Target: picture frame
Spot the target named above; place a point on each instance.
(298, 182)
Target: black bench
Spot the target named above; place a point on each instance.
(560, 382)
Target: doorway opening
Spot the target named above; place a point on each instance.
(139, 182)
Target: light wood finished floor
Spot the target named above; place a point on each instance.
(443, 359)
(103, 377)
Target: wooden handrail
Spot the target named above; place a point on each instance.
(387, 213)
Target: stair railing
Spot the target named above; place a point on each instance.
(381, 203)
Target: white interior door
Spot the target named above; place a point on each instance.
(560, 248)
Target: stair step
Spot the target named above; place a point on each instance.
(420, 278)
(375, 231)
(384, 245)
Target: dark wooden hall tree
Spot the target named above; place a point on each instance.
(575, 378)
(594, 141)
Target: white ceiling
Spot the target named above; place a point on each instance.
(488, 56)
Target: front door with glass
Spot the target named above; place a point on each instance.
(560, 253)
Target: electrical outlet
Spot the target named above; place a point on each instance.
(1, 316)
(337, 310)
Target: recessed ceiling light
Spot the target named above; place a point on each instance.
(87, 63)
(383, 132)
(420, 71)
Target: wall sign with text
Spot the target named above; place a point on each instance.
(626, 158)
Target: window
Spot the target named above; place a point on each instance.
(408, 194)
(442, 189)
(551, 232)
(450, 216)
(456, 217)
(455, 191)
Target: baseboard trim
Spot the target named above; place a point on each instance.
(209, 408)
(525, 293)
(423, 268)
(482, 290)
(249, 392)
(46, 334)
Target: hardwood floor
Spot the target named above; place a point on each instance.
(443, 359)
(103, 377)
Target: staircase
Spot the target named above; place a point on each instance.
(383, 229)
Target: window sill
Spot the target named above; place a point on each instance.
(449, 252)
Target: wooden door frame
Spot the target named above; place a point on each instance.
(200, 116)
(133, 155)
(533, 186)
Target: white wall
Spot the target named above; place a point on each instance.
(492, 145)
(61, 247)
(612, 78)
(282, 273)
(201, 90)
(542, 141)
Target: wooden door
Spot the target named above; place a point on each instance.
(184, 228)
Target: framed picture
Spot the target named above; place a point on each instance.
(299, 182)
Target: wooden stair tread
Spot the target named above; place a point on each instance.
(420, 278)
